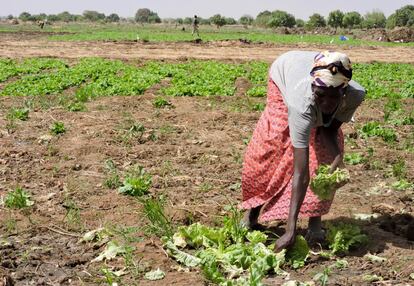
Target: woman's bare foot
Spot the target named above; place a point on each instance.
(314, 238)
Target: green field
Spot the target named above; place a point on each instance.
(165, 33)
(100, 77)
(90, 78)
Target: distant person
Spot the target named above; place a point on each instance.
(309, 96)
(195, 26)
(41, 24)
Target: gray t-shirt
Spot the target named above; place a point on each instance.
(291, 73)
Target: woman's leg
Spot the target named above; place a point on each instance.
(315, 224)
(315, 232)
(251, 218)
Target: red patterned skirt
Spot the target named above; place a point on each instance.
(268, 164)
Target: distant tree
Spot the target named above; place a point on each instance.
(246, 20)
(39, 17)
(113, 18)
(264, 13)
(154, 18)
(53, 18)
(78, 18)
(335, 19)
(145, 15)
(230, 21)
(404, 16)
(316, 20)
(281, 19)
(188, 21)
(66, 17)
(374, 19)
(300, 23)
(25, 16)
(352, 20)
(218, 20)
(10, 17)
(391, 22)
(179, 21)
(36, 17)
(263, 18)
(93, 16)
(204, 21)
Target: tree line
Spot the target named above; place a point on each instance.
(269, 19)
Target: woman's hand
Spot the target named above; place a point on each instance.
(285, 241)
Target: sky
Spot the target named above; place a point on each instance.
(204, 8)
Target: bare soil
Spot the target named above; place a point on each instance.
(195, 161)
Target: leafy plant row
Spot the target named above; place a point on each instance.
(10, 68)
(100, 77)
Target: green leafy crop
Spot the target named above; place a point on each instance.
(324, 184)
(57, 128)
(389, 80)
(374, 129)
(17, 199)
(136, 183)
(229, 255)
(161, 102)
(204, 79)
(18, 113)
(10, 68)
(354, 158)
(298, 253)
(403, 185)
(343, 236)
(94, 77)
(257, 73)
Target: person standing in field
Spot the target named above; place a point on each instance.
(41, 24)
(195, 26)
(310, 95)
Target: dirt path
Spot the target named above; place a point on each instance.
(15, 47)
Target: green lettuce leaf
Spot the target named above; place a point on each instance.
(155, 275)
(343, 236)
(181, 256)
(198, 235)
(298, 253)
(256, 237)
(324, 184)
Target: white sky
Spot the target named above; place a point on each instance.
(204, 8)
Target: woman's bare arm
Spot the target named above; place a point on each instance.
(299, 186)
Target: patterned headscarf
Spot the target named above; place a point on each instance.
(331, 69)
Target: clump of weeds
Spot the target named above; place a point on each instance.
(161, 102)
(159, 223)
(112, 180)
(57, 128)
(136, 183)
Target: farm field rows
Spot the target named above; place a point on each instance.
(134, 150)
(94, 77)
(171, 33)
(29, 42)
